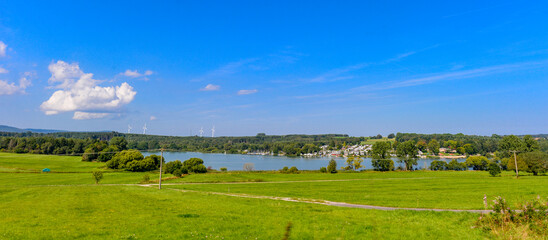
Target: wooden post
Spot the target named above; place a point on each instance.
(516, 163)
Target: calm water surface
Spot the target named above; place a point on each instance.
(237, 161)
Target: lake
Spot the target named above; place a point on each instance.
(236, 161)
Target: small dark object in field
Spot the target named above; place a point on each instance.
(288, 231)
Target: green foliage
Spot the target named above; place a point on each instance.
(534, 162)
(380, 150)
(407, 153)
(494, 169)
(477, 162)
(293, 170)
(178, 172)
(438, 165)
(119, 143)
(456, 166)
(146, 178)
(383, 165)
(97, 176)
(120, 159)
(353, 163)
(332, 166)
(391, 135)
(323, 170)
(422, 146)
(223, 169)
(170, 167)
(285, 169)
(194, 165)
(434, 147)
(530, 220)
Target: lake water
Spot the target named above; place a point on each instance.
(267, 162)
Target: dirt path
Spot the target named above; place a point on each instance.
(324, 202)
(300, 181)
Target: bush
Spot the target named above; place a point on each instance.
(223, 169)
(323, 170)
(97, 176)
(178, 172)
(456, 166)
(293, 170)
(194, 165)
(494, 169)
(530, 219)
(383, 165)
(438, 165)
(477, 162)
(170, 167)
(332, 166)
(146, 178)
(284, 170)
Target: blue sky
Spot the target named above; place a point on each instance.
(284, 67)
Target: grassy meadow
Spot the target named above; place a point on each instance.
(67, 204)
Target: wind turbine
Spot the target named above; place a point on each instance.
(129, 128)
(213, 131)
(145, 129)
(202, 132)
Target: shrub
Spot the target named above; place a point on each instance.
(293, 170)
(494, 169)
(170, 167)
(284, 170)
(194, 165)
(383, 165)
(530, 219)
(223, 169)
(97, 176)
(323, 169)
(178, 172)
(456, 166)
(146, 178)
(332, 166)
(119, 160)
(438, 165)
(477, 162)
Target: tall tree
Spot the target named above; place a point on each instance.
(380, 150)
(408, 153)
(434, 147)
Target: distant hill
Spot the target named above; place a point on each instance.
(4, 128)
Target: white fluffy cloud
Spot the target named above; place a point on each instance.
(81, 94)
(7, 88)
(247, 91)
(3, 70)
(136, 74)
(211, 87)
(3, 47)
(152, 118)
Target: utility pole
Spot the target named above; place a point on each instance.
(516, 162)
(161, 160)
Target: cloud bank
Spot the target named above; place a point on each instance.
(81, 94)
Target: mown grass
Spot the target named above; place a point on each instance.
(446, 191)
(69, 205)
(132, 212)
(35, 163)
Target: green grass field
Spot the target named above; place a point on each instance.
(66, 204)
